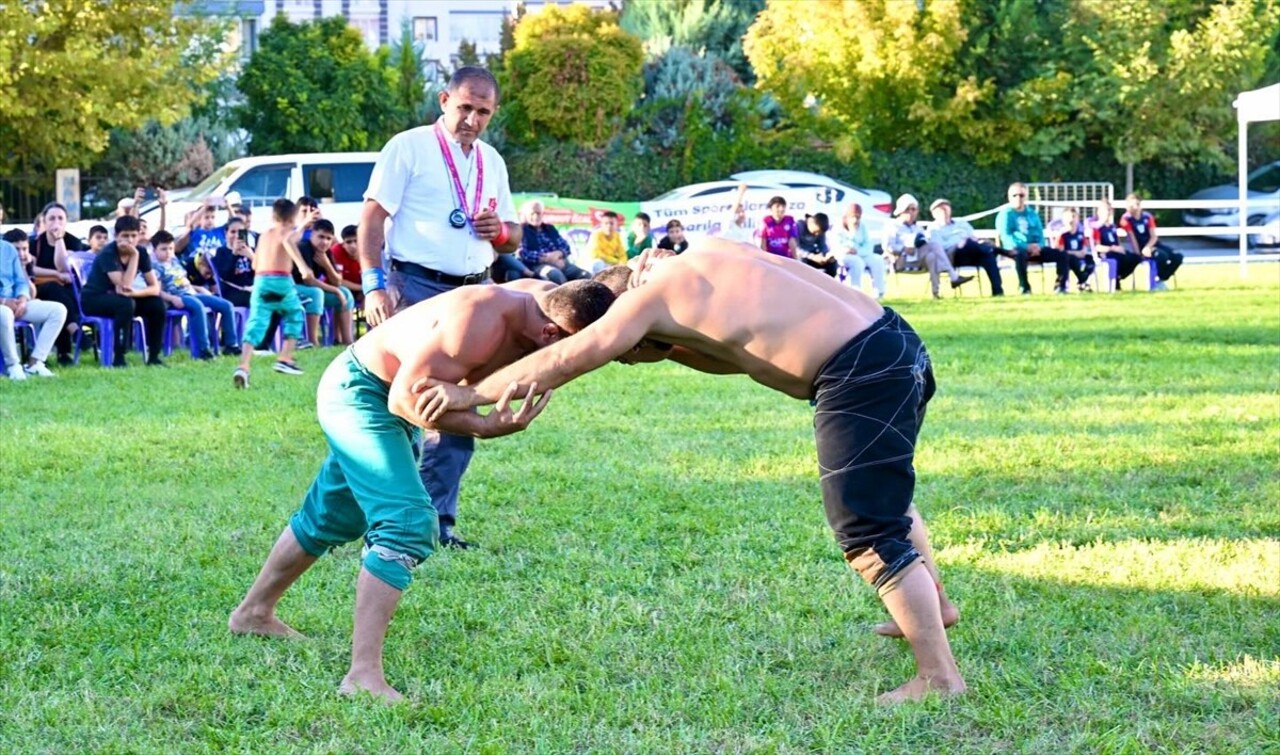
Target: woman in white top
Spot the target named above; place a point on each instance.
(852, 240)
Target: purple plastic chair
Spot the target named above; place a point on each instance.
(241, 313)
(103, 327)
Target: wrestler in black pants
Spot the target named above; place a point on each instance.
(121, 310)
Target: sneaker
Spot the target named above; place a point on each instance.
(1060, 290)
(240, 377)
(453, 541)
(38, 370)
(958, 282)
(205, 355)
(233, 351)
(1084, 288)
(16, 372)
(306, 345)
(1024, 291)
(1160, 286)
(286, 368)
(263, 353)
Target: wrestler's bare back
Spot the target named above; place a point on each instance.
(776, 320)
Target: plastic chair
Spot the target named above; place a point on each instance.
(241, 313)
(103, 327)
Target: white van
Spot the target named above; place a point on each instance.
(337, 180)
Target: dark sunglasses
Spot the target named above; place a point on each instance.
(1012, 196)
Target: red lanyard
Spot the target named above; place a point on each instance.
(457, 180)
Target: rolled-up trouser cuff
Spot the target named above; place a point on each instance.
(884, 577)
(392, 567)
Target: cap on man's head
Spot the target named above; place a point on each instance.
(233, 199)
(938, 203)
(125, 204)
(905, 202)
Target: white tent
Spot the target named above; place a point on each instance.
(1251, 107)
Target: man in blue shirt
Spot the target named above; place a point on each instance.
(16, 303)
(1020, 229)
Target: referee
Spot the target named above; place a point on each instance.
(447, 196)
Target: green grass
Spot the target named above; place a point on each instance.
(1099, 473)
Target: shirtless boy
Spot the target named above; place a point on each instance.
(273, 291)
(369, 486)
(724, 308)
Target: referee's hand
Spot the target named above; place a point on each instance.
(376, 308)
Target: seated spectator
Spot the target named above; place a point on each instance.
(1022, 233)
(858, 252)
(178, 292)
(1105, 240)
(202, 234)
(812, 243)
(736, 229)
(640, 237)
(98, 237)
(245, 214)
(52, 273)
(234, 265)
(674, 241)
(17, 303)
(347, 262)
(325, 279)
(1072, 242)
(906, 240)
(543, 250)
(110, 292)
(958, 240)
(779, 231)
(1143, 240)
(605, 244)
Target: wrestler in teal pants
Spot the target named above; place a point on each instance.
(369, 484)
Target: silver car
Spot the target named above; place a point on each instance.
(1263, 207)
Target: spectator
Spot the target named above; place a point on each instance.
(907, 241)
(1105, 239)
(52, 273)
(640, 237)
(98, 238)
(326, 281)
(234, 265)
(543, 250)
(780, 231)
(347, 263)
(16, 303)
(674, 241)
(1143, 240)
(1072, 243)
(736, 229)
(852, 241)
(21, 243)
(178, 292)
(958, 240)
(202, 234)
(245, 214)
(308, 213)
(110, 291)
(1022, 232)
(605, 244)
(812, 243)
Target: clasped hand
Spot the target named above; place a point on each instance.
(436, 397)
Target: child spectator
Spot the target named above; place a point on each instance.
(52, 274)
(18, 239)
(1105, 239)
(778, 236)
(202, 233)
(640, 237)
(605, 244)
(812, 243)
(98, 238)
(16, 303)
(324, 282)
(110, 291)
(274, 291)
(851, 240)
(674, 240)
(178, 292)
(1072, 242)
(347, 263)
(1144, 241)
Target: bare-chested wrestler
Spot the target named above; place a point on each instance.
(369, 486)
(725, 308)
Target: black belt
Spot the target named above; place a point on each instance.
(413, 268)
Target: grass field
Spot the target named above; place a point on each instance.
(1099, 473)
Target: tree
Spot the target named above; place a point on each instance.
(71, 71)
(315, 87)
(155, 155)
(712, 27)
(573, 74)
(410, 91)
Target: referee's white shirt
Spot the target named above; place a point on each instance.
(412, 183)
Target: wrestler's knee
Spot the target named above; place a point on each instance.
(883, 567)
(392, 552)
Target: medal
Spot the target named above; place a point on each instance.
(461, 216)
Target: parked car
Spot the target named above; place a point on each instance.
(799, 179)
(1263, 204)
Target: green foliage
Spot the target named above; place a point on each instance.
(72, 71)
(577, 74)
(315, 87)
(1093, 469)
(712, 27)
(410, 89)
(155, 155)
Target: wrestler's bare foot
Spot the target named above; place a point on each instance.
(950, 615)
(244, 622)
(372, 683)
(919, 688)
